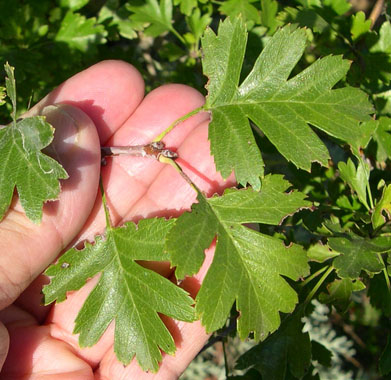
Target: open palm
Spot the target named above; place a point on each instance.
(111, 93)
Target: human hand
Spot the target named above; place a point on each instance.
(111, 93)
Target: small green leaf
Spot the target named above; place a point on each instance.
(360, 26)
(382, 136)
(126, 292)
(186, 6)
(248, 266)
(2, 95)
(117, 16)
(73, 5)
(358, 253)
(79, 33)
(11, 89)
(340, 292)
(321, 253)
(281, 108)
(24, 166)
(234, 8)
(382, 211)
(355, 178)
(152, 16)
(269, 10)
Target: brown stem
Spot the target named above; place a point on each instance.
(376, 11)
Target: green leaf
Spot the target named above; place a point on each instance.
(234, 8)
(321, 354)
(382, 136)
(340, 292)
(360, 26)
(379, 294)
(186, 6)
(118, 16)
(355, 178)
(247, 265)
(340, 7)
(358, 253)
(11, 89)
(156, 15)
(73, 5)
(281, 108)
(24, 166)
(269, 10)
(304, 17)
(321, 253)
(198, 23)
(126, 292)
(382, 211)
(2, 95)
(287, 348)
(79, 33)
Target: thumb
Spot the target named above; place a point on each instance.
(27, 249)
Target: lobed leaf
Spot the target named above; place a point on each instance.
(24, 167)
(280, 107)
(248, 266)
(126, 292)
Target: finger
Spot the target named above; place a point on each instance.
(34, 354)
(107, 92)
(27, 248)
(139, 187)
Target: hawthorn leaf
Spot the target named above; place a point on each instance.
(340, 292)
(382, 136)
(156, 16)
(321, 253)
(355, 178)
(186, 6)
(382, 211)
(360, 26)
(234, 8)
(2, 95)
(248, 266)
(289, 348)
(79, 33)
(24, 167)
(117, 16)
(358, 253)
(280, 108)
(269, 10)
(379, 294)
(127, 293)
(74, 5)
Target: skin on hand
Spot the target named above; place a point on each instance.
(101, 106)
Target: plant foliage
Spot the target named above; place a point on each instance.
(297, 89)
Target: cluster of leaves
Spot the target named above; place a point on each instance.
(308, 99)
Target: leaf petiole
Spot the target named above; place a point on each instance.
(176, 122)
(386, 276)
(314, 275)
(105, 206)
(318, 285)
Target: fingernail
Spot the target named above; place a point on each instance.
(66, 131)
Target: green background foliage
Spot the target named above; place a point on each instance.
(306, 93)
